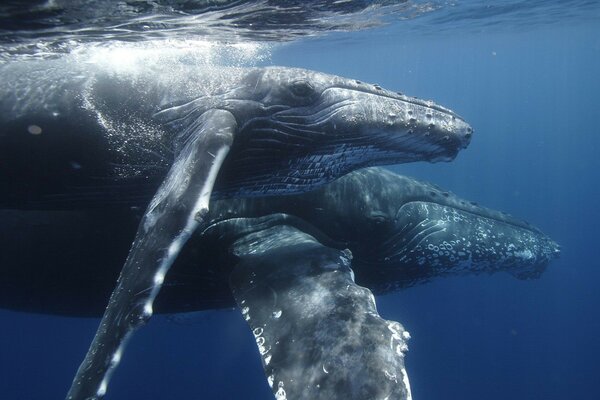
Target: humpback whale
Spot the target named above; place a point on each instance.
(280, 267)
(68, 132)
(364, 211)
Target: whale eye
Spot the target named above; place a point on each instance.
(302, 89)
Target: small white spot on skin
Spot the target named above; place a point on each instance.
(159, 278)
(102, 389)
(270, 380)
(202, 203)
(401, 349)
(391, 377)
(148, 309)
(174, 248)
(267, 360)
(280, 395)
(34, 129)
(116, 357)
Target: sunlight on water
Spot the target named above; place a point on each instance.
(56, 27)
(129, 57)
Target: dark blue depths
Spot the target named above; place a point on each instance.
(532, 96)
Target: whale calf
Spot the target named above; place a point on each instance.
(79, 133)
(278, 266)
(78, 253)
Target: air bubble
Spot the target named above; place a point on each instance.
(34, 129)
(75, 165)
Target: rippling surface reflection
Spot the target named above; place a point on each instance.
(44, 28)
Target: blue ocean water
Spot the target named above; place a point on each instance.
(530, 91)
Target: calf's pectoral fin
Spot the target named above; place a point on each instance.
(318, 333)
(174, 213)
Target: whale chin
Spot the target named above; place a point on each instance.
(434, 240)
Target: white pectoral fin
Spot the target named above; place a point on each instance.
(174, 213)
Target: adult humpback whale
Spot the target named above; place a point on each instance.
(273, 130)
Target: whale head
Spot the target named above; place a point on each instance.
(411, 232)
(318, 127)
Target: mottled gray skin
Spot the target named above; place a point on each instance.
(403, 231)
(82, 134)
(318, 333)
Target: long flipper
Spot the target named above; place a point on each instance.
(175, 212)
(318, 333)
